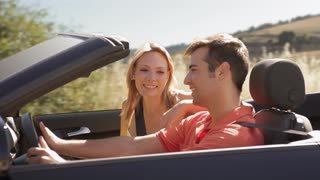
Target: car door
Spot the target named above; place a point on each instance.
(51, 67)
(259, 162)
(83, 125)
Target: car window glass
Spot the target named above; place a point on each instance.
(103, 89)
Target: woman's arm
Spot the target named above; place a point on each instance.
(124, 123)
(179, 95)
(182, 95)
(178, 112)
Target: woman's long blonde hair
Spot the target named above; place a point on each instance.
(134, 97)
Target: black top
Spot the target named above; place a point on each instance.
(140, 124)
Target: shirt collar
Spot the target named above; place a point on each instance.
(245, 109)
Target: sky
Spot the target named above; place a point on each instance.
(169, 22)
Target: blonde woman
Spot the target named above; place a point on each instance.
(150, 82)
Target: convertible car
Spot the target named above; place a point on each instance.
(289, 118)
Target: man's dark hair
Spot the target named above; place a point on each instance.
(225, 48)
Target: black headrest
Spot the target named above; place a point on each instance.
(277, 83)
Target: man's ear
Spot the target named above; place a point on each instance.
(223, 70)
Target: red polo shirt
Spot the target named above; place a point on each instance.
(193, 132)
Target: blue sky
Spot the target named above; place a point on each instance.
(169, 22)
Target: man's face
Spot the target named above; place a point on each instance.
(203, 83)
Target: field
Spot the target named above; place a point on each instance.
(106, 87)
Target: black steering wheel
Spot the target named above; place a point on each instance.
(29, 131)
(4, 151)
(30, 138)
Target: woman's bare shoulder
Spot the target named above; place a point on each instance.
(181, 94)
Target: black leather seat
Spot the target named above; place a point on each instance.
(277, 87)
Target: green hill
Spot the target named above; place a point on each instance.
(307, 26)
(303, 34)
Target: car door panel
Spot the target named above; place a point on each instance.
(88, 125)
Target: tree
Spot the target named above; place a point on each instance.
(286, 37)
(21, 27)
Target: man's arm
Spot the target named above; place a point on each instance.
(116, 146)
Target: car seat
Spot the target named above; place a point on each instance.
(277, 87)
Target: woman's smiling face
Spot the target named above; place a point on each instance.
(151, 74)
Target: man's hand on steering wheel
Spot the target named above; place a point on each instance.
(51, 139)
(43, 154)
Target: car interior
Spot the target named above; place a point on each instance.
(276, 86)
